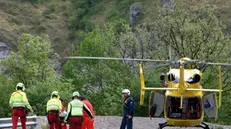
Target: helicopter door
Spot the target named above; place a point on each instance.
(210, 108)
(156, 104)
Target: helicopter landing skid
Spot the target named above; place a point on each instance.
(203, 125)
(162, 125)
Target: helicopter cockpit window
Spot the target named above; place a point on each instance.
(191, 108)
(195, 79)
(174, 76)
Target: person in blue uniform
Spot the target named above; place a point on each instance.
(128, 110)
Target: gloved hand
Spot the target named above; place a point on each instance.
(93, 119)
(64, 113)
(31, 111)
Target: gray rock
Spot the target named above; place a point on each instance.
(4, 50)
(136, 13)
(169, 4)
(57, 65)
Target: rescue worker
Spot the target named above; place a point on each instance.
(19, 103)
(128, 110)
(62, 123)
(88, 123)
(163, 83)
(54, 107)
(75, 112)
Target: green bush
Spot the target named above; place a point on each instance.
(39, 95)
(7, 87)
(49, 10)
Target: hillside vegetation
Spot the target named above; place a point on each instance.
(67, 21)
(37, 29)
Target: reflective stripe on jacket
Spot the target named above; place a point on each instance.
(75, 108)
(90, 107)
(19, 99)
(54, 104)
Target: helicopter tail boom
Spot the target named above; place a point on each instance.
(153, 89)
(204, 90)
(142, 85)
(220, 85)
(213, 90)
(143, 88)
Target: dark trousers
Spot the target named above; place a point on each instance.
(16, 113)
(62, 123)
(75, 122)
(53, 120)
(126, 122)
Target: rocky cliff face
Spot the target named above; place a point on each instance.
(135, 13)
(169, 4)
(4, 50)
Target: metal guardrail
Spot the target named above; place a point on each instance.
(7, 122)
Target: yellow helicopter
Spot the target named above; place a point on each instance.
(184, 102)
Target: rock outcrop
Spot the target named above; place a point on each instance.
(169, 4)
(135, 13)
(57, 66)
(4, 50)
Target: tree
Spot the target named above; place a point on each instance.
(32, 66)
(101, 81)
(6, 86)
(41, 93)
(31, 63)
(195, 32)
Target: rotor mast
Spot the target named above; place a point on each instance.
(182, 87)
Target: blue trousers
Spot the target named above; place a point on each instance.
(126, 121)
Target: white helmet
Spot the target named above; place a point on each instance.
(126, 91)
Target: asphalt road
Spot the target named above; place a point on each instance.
(113, 122)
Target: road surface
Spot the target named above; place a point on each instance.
(113, 122)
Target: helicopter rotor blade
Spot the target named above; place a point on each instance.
(207, 63)
(112, 58)
(168, 62)
(220, 64)
(162, 65)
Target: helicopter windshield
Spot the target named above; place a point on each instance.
(188, 74)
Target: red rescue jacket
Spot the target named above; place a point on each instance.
(89, 105)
